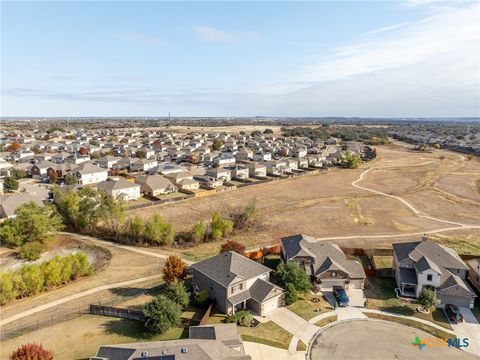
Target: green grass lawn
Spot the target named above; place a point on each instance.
(267, 333)
(326, 321)
(381, 296)
(382, 262)
(424, 327)
(461, 244)
(305, 307)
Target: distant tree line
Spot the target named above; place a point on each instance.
(368, 135)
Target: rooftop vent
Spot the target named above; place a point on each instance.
(184, 350)
(144, 353)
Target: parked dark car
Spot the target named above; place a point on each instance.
(453, 313)
(341, 296)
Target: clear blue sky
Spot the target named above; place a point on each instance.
(411, 58)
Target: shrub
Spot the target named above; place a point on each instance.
(52, 272)
(32, 251)
(350, 160)
(220, 226)
(198, 232)
(161, 314)
(244, 318)
(7, 290)
(10, 184)
(174, 269)
(235, 246)
(202, 297)
(31, 280)
(80, 265)
(31, 352)
(177, 292)
(159, 231)
(243, 217)
(291, 294)
(427, 298)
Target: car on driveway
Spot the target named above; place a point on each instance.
(453, 313)
(341, 296)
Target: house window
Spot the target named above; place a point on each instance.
(429, 277)
(236, 288)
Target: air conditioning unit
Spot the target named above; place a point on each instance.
(144, 353)
(184, 350)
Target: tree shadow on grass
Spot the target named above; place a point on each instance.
(135, 330)
(399, 309)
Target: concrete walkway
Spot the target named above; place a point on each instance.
(294, 324)
(76, 296)
(350, 313)
(264, 352)
(322, 316)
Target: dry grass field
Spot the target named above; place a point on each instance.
(327, 205)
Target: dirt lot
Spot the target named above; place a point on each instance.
(326, 205)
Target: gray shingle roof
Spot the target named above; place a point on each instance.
(408, 276)
(230, 266)
(262, 290)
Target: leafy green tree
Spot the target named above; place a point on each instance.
(135, 229)
(159, 231)
(10, 184)
(112, 213)
(31, 280)
(268, 131)
(220, 227)
(244, 318)
(19, 173)
(428, 299)
(350, 160)
(141, 154)
(291, 294)
(217, 144)
(177, 292)
(198, 232)
(71, 179)
(31, 223)
(79, 209)
(290, 273)
(32, 251)
(202, 297)
(52, 272)
(66, 264)
(161, 314)
(7, 290)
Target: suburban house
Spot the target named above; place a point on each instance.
(90, 174)
(474, 272)
(207, 342)
(325, 262)
(40, 169)
(155, 185)
(235, 282)
(188, 184)
(208, 181)
(108, 161)
(427, 265)
(120, 188)
(219, 173)
(143, 165)
(239, 172)
(256, 169)
(10, 203)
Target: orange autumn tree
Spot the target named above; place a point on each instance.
(15, 146)
(232, 245)
(174, 269)
(83, 151)
(31, 352)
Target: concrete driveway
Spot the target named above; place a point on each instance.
(357, 298)
(293, 323)
(265, 352)
(470, 329)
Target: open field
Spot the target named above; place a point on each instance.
(327, 205)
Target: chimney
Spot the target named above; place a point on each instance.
(424, 237)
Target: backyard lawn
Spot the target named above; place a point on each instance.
(382, 262)
(305, 307)
(381, 296)
(326, 321)
(267, 333)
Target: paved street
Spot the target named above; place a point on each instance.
(377, 340)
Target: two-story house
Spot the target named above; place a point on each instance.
(323, 261)
(235, 282)
(427, 265)
(120, 188)
(90, 174)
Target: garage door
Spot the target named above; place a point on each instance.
(271, 304)
(330, 283)
(455, 300)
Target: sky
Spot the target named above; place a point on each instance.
(412, 58)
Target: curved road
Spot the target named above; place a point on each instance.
(162, 256)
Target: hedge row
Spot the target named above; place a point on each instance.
(33, 279)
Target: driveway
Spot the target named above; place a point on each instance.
(293, 323)
(264, 352)
(470, 329)
(357, 298)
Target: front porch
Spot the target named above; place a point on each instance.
(408, 290)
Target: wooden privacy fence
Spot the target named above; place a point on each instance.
(117, 312)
